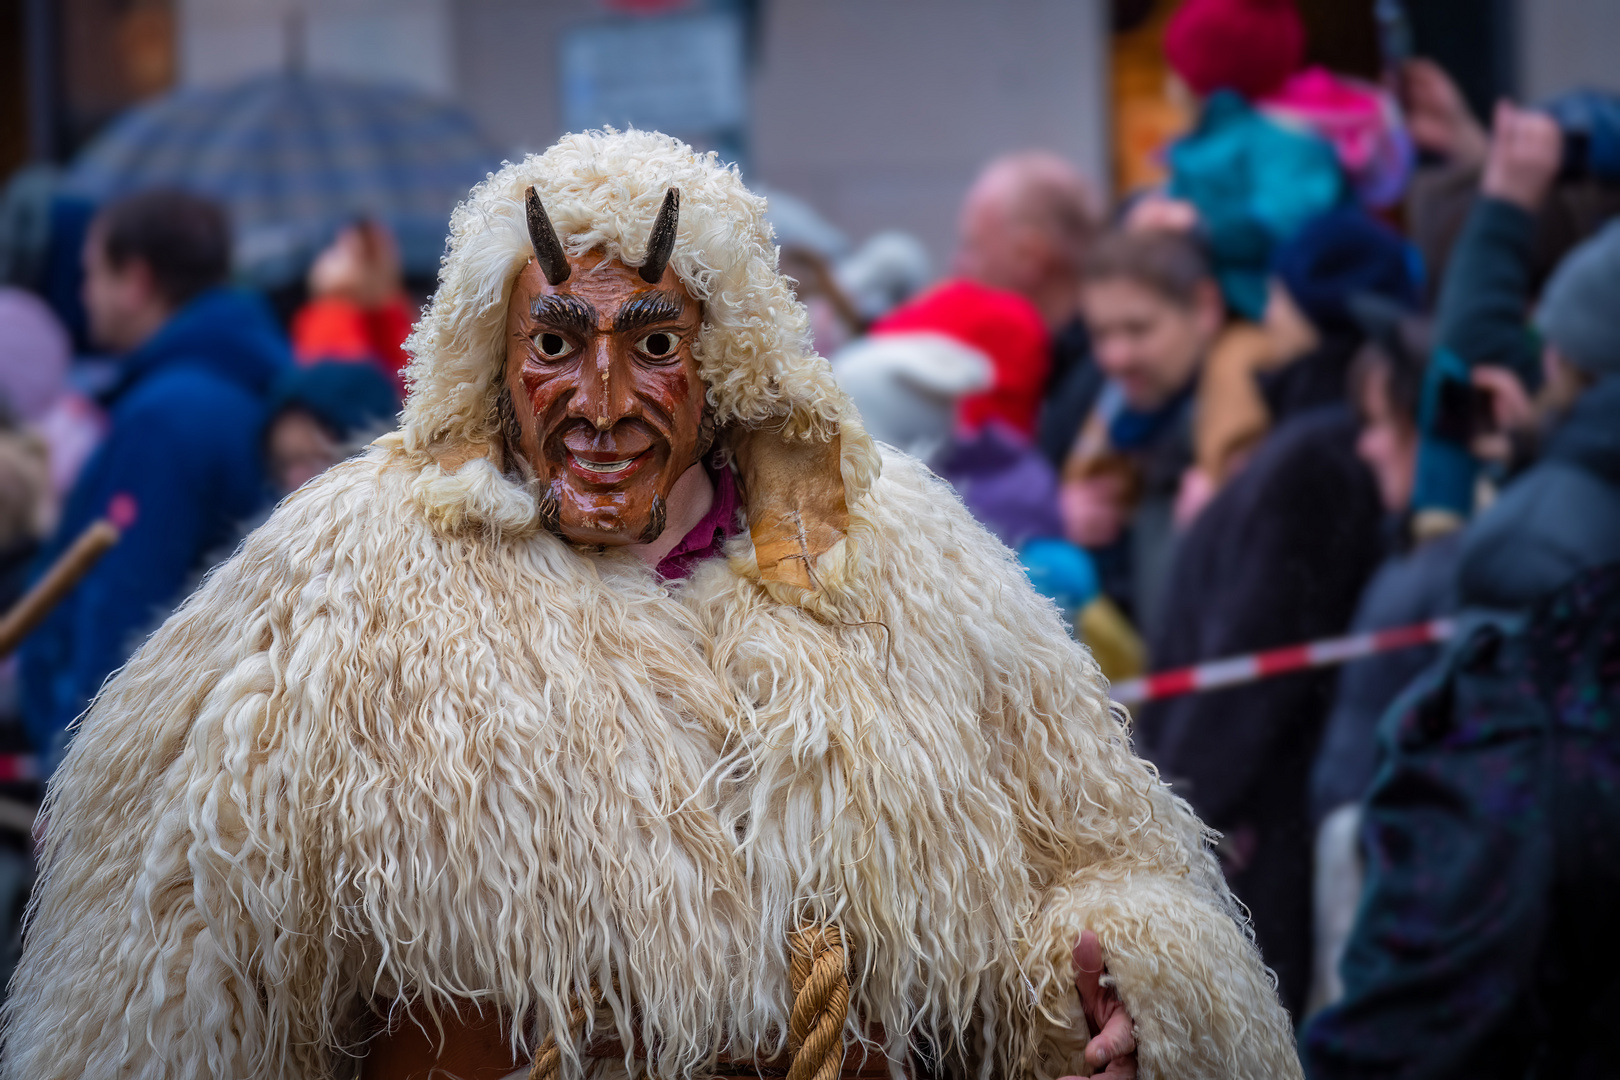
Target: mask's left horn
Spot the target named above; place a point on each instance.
(548, 250)
(661, 242)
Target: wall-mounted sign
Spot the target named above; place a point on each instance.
(683, 74)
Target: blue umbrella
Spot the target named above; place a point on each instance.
(295, 156)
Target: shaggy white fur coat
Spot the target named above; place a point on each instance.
(407, 749)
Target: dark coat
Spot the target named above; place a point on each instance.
(1555, 519)
(1410, 587)
(1486, 944)
(1071, 391)
(182, 458)
(1279, 557)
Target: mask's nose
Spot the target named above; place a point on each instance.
(605, 394)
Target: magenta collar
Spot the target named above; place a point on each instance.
(708, 537)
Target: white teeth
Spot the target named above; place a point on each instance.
(603, 466)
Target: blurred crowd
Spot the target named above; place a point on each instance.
(1354, 366)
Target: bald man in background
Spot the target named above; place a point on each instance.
(1025, 226)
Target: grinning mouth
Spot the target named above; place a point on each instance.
(606, 459)
(617, 471)
(601, 466)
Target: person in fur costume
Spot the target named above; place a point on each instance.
(495, 743)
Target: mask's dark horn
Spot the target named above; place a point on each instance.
(548, 250)
(662, 241)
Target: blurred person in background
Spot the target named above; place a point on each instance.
(46, 431)
(1484, 345)
(923, 380)
(1445, 181)
(1483, 886)
(1024, 228)
(1006, 331)
(1360, 120)
(42, 231)
(1279, 555)
(1441, 200)
(358, 310)
(36, 355)
(180, 466)
(1485, 945)
(1154, 309)
(1413, 585)
(845, 295)
(958, 375)
(320, 414)
(1312, 334)
(1561, 515)
(911, 377)
(1243, 180)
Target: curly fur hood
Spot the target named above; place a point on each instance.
(602, 190)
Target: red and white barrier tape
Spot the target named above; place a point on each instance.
(1262, 665)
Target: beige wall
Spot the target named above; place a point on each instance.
(1568, 43)
(878, 112)
(403, 41)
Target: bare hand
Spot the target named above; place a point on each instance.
(1511, 411)
(1161, 213)
(1527, 149)
(1093, 510)
(1511, 408)
(1197, 491)
(362, 264)
(1438, 115)
(1112, 1048)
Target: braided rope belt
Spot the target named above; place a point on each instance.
(819, 970)
(819, 974)
(548, 1058)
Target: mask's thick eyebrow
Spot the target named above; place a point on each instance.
(565, 313)
(649, 309)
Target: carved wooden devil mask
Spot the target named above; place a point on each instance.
(602, 398)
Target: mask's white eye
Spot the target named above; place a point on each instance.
(551, 345)
(658, 345)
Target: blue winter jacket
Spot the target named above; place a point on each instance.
(1255, 183)
(182, 455)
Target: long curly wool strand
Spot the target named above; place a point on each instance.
(405, 750)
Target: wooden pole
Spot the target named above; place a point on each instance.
(48, 591)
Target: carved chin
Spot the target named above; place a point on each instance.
(549, 509)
